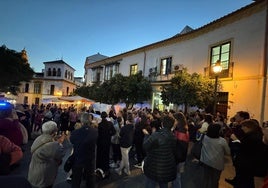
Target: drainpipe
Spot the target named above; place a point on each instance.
(144, 63)
(265, 62)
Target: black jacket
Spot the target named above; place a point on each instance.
(126, 135)
(84, 142)
(160, 162)
(252, 156)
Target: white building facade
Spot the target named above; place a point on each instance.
(56, 80)
(238, 40)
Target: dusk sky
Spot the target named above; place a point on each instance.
(72, 30)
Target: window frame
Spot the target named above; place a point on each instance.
(133, 69)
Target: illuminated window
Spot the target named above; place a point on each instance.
(133, 69)
(165, 67)
(221, 52)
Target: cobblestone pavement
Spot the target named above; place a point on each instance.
(135, 180)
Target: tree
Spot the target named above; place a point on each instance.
(129, 89)
(138, 89)
(14, 69)
(188, 90)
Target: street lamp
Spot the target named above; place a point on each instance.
(217, 68)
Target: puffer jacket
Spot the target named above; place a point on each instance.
(160, 161)
(46, 157)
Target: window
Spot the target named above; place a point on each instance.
(52, 88)
(36, 101)
(59, 72)
(165, 67)
(133, 69)
(49, 72)
(66, 74)
(67, 91)
(25, 100)
(222, 53)
(96, 74)
(37, 88)
(111, 70)
(26, 88)
(54, 72)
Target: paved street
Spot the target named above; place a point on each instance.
(136, 180)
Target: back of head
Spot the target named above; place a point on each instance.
(180, 117)
(130, 118)
(104, 115)
(167, 122)
(252, 124)
(213, 130)
(85, 118)
(244, 114)
(208, 118)
(49, 127)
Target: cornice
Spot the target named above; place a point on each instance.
(216, 24)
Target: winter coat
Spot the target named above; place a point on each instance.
(11, 129)
(8, 147)
(126, 136)
(84, 142)
(160, 160)
(46, 158)
(213, 152)
(252, 157)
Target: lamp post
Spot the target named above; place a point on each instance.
(217, 68)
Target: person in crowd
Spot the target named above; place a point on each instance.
(47, 153)
(10, 154)
(126, 142)
(208, 119)
(64, 119)
(183, 138)
(212, 156)
(265, 141)
(24, 115)
(84, 142)
(105, 131)
(156, 121)
(237, 132)
(39, 116)
(48, 116)
(73, 118)
(138, 139)
(9, 124)
(56, 117)
(251, 159)
(117, 157)
(160, 165)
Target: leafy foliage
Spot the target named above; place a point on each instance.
(131, 90)
(189, 90)
(14, 69)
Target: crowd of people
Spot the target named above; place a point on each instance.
(161, 140)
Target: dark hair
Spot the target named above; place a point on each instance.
(214, 130)
(168, 121)
(104, 115)
(182, 122)
(208, 118)
(130, 117)
(244, 114)
(252, 124)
